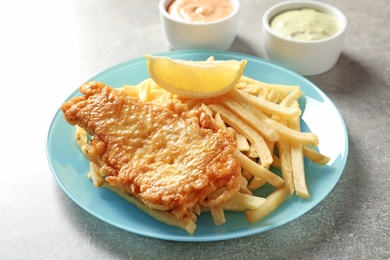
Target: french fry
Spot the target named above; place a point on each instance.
(244, 183)
(285, 163)
(232, 132)
(270, 107)
(297, 163)
(242, 142)
(240, 126)
(218, 215)
(247, 175)
(190, 103)
(276, 162)
(80, 137)
(165, 97)
(273, 201)
(220, 122)
(256, 183)
(262, 93)
(249, 88)
(249, 116)
(211, 58)
(207, 109)
(282, 88)
(298, 168)
(131, 90)
(257, 170)
(246, 191)
(273, 96)
(144, 90)
(290, 98)
(97, 178)
(247, 201)
(227, 206)
(302, 137)
(315, 156)
(197, 209)
(271, 147)
(252, 152)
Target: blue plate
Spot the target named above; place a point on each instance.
(70, 167)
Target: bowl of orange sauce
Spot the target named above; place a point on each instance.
(201, 24)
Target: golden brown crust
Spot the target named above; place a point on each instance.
(162, 155)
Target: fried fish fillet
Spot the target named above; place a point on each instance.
(169, 158)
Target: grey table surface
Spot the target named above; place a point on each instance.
(49, 47)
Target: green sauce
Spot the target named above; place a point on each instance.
(305, 24)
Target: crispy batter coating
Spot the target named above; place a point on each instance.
(165, 156)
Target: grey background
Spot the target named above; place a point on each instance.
(49, 47)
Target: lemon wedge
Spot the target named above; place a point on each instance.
(195, 79)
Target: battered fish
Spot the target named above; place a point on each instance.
(168, 157)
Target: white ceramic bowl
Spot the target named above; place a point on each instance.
(218, 34)
(305, 57)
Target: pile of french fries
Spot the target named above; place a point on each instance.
(264, 119)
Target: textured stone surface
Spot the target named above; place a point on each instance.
(49, 48)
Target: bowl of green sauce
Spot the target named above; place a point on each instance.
(305, 36)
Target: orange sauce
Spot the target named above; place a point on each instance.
(200, 11)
